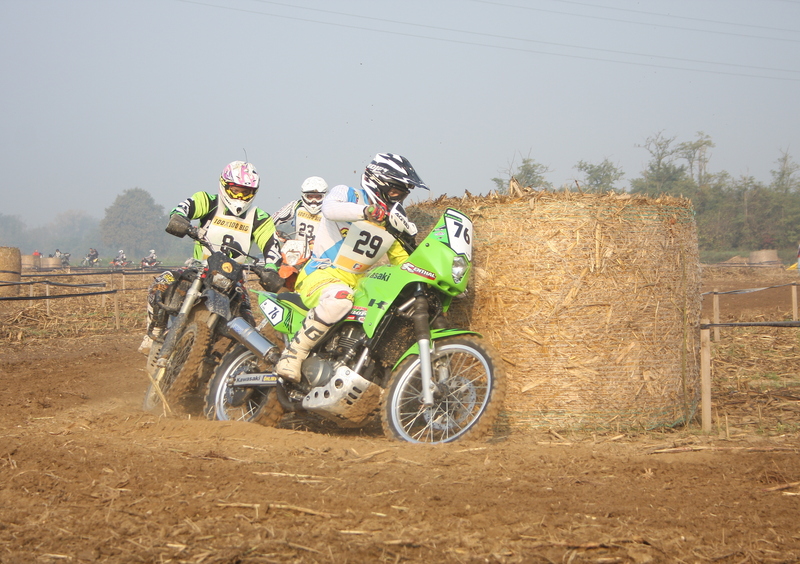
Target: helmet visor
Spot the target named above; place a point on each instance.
(238, 192)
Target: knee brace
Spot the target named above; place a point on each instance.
(334, 303)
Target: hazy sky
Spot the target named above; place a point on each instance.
(102, 96)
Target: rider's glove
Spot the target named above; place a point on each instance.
(270, 280)
(375, 213)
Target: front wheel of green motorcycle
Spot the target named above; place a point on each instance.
(469, 383)
(224, 402)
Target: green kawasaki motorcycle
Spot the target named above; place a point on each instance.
(393, 353)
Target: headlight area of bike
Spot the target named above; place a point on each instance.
(459, 268)
(224, 272)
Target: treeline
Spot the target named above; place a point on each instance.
(133, 223)
(733, 214)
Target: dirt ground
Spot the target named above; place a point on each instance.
(87, 476)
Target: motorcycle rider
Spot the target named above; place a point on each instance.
(120, 258)
(352, 237)
(93, 256)
(227, 217)
(305, 212)
(151, 258)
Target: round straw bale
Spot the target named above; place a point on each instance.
(592, 300)
(10, 270)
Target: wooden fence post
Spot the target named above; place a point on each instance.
(47, 293)
(716, 315)
(116, 310)
(794, 301)
(705, 377)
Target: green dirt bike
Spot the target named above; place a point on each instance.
(392, 354)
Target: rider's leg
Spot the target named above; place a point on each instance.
(156, 320)
(331, 299)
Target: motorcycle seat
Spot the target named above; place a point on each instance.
(292, 297)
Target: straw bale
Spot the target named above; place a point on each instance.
(10, 270)
(593, 301)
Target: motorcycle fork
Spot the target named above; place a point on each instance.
(180, 321)
(422, 330)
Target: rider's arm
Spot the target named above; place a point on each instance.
(266, 239)
(342, 204)
(286, 213)
(195, 207)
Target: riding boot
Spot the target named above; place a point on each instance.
(298, 348)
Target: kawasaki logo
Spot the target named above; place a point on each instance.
(408, 267)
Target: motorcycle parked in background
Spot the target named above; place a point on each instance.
(198, 305)
(392, 354)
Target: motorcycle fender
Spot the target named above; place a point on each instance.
(217, 303)
(435, 334)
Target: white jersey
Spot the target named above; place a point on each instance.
(344, 239)
(306, 224)
(230, 230)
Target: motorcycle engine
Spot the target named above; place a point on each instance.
(321, 366)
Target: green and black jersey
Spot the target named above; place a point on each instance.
(204, 207)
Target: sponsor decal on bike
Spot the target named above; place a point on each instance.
(413, 269)
(357, 314)
(250, 379)
(384, 276)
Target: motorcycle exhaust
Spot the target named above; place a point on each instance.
(246, 334)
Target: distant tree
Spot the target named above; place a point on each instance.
(696, 155)
(70, 232)
(784, 178)
(599, 177)
(529, 173)
(663, 175)
(13, 234)
(134, 222)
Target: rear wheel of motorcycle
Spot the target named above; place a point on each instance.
(470, 385)
(226, 403)
(184, 365)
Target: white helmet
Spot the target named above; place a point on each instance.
(238, 185)
(313, 191)
(153, 251)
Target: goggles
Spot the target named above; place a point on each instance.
(238, 192)
(313, 197)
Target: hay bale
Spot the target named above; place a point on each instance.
(10, 270)
(767, 257)
(593, 301)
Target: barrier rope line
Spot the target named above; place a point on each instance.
(747, 290)
(57, 296)
(51, 283)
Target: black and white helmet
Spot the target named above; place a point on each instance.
(388, 171)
